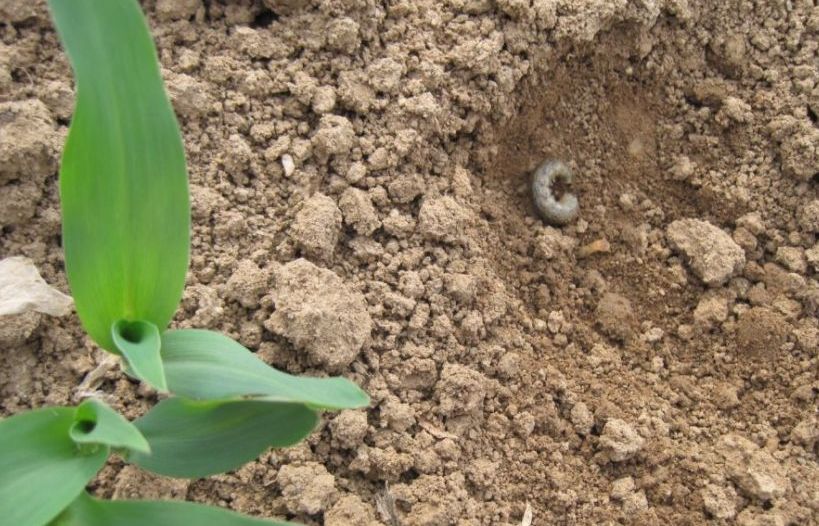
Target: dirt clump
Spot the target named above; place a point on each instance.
(317, 227)
(713, 255)
(307, 488)
(615, 316)
(27, 158)
(619, 441)
(761, 332)
(320, 314)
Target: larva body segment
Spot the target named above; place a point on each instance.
(555, 211)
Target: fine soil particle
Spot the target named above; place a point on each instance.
(361, 206)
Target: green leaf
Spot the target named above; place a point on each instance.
(88, 511)
(96, 423)
(207, 365)
(191, 439)
(123, 181)
(41, 468)
(139, 342)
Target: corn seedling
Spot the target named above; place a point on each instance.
(126, 235)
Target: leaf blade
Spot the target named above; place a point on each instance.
(203, 364)
(106, 427)
(139, 342)
(88, 511)
(123, 181)
(41, 469)
(192, 439)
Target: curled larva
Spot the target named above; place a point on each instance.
(553, 210)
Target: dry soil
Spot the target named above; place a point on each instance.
(361, 206)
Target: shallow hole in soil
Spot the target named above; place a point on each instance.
(605, 124)
(264, 19)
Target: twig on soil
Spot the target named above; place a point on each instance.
(527, 516)
(385, 504)
(89, 384)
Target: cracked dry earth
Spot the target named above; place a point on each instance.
(361, 206)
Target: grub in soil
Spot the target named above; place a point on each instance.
(361, 206)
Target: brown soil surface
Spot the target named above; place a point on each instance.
(654, 362)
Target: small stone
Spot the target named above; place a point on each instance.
(59, 97)
(317, 227)
(288, 165)
(385, 74)
(600, 246)
(799, 151)
(625, 491)
(619, 441)
(23, 290)
(712, 254)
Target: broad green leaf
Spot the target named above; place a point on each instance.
(191, 439)
(96, 423)
(42, 470)
(139, 342)
(123, 182)
(88, 511)
(207, 365)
